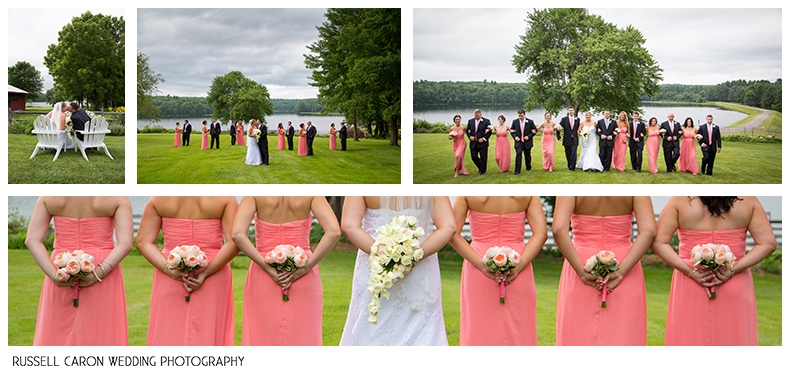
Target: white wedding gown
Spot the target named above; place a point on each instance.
(589, 159)
(413, 316)
(253, 152)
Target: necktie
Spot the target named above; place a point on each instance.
(522, 129)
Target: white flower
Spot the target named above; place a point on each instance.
(411, 221)
(588, 267)
(61, 259)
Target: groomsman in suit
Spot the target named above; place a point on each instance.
(290, 135)
(343, 135)
(311, 131)
(477, 129)
(570, 137)
(214, 131)
(78, 119)
(186, 131)
(710, 144)
(636, 142)
(605, 129)
(232, 131)
(263, 143)
(525, 130)
(671, 143)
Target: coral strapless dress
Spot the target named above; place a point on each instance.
(484, 321)
(688, 153)
(652, 150)
(204, 141)
(177, 139)
(207, 319)
(502, 150)
(280, 139)
(619, 150)
(547, 144)
(580, 318)
(730, 318)
(240, 137)
(100, 318)
(268, 320)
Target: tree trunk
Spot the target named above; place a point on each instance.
(394, 131)
(356, 127)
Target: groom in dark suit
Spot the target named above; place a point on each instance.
(343, 135)
(477, 129)
(214, 131)
(311, 131)
(671, 144)
(78, 119)
(636, 141)
(605, 129)
(524, 130)
(290, 135)
(263, 143)
(185, 133)
(570, 137)
(710, 144)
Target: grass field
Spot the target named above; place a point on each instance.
(24, 285)
(69, 168)
(738, 163)
(366, 161)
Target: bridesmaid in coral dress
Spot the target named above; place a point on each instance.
(207, 319)
(332, 138)
(280, 137)
(502, 145)
(268, 319)
(204, 140)
(498, 221)
(240, 134)
(82, 223)
(602, 223)
(548, 142)
(693, 318)
(459, 146)
(653, 136)
(620, 146)
(688, 148)
(177, 140)
(301, 150)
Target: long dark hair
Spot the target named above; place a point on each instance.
(718, 205)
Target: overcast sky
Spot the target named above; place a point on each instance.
(190, 47)
(693, 46)
(32, 45)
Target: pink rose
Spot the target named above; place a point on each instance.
(192, 261)
(61, 259)
(300, 260)
(500, 259)
(590, 264)
(707, 253)
(607, 257)
(202, 260)
(729, 259)
(63, 274)
(73, 266)
(173, 259)
(269, 258)
(86, 265)
(514, 257)
(720, 257)
(280, 257)
(696, 254)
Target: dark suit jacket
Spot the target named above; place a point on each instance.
(529, 126)
(640, 133)
(343, 132)
(263, 139)
(570, 137)
(715, 137)
(187, 129)
(78, 120)
(215, 129)
(604, 128)
(311, 132)
(480, 133)
(289, 132)
(672, 130)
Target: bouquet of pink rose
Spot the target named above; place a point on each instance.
(188, 258)
(286, 257)
(452, 135)
(77, 264)
(501, 260)
(396, 250)
(601, 264)
(712, 256)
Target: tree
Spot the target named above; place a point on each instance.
(236, 97)
(147, 85)
(88, 63)
(356, 67)
(53, 96)
(573, 58)
(25, 76)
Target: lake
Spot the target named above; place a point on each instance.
(721, 117)
(321, 123)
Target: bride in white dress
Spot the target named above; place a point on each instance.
(589, 159)
(58, 117)
(253, 152)
(413, 316)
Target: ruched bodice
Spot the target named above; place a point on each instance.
(269, 235)
(498, 229)
(204, 233)
(89, 234)
(594, 233)
(735, 239)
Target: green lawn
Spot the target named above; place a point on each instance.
(366, 161)
(24, 284)
(69, 168)
(738, 163)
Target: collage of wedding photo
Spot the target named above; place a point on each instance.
(592, 127)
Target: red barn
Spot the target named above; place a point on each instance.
(16, 98)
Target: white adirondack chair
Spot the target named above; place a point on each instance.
(93, 136)
(47, 133)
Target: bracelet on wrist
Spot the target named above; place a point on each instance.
(95, 275)
(692, 272)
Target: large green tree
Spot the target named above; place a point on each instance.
(25, 76)
(572, 57)
(87, 63)
(236, 97)
(147, 85)
(356, 67)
